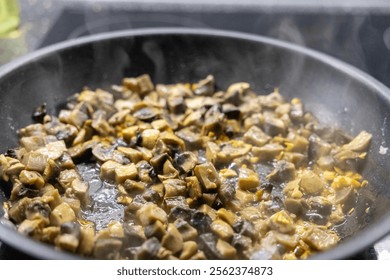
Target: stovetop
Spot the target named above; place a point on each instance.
(357, 35)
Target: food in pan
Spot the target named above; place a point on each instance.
(182, 171)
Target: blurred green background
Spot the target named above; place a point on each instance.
(12, 40)
(9, 17)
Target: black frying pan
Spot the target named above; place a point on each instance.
(335, 92)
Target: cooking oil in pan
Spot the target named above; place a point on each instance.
(103, 207)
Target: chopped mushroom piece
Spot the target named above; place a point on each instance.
(227, 216)
(232, 150)
(147, 114)
(256, 136)
(38, 209)
(107, 170)
(236, 92)
(273, 126)
(222, 229)
(282, 222)
(133, 154)
(172, 240)
(310, 183)
(17, 212)
(225, 250)
(248, 179)
(193, 186)
(34, 161)
(284, 171)
(189, 250)
(186, 161)
(67, 176)
(107, 248)
(31, 178)
(134, 235)
(207, 176)
(267, 152)
(187, 232)
(61, 214)
(207, 243)
(149, 137)
(80, 190)
(149, 249)
(157, 229)
(67, 242)
(30, 227)
(87, 240)
(174, 188)
(150, 213)
(49, 234)
(360, 143)
(204, 87)
(321, 239)
(124, 172)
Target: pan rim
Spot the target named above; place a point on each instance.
(349, 247)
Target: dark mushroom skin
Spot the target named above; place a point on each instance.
(200, 173)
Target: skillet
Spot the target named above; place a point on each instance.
(338, 94)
